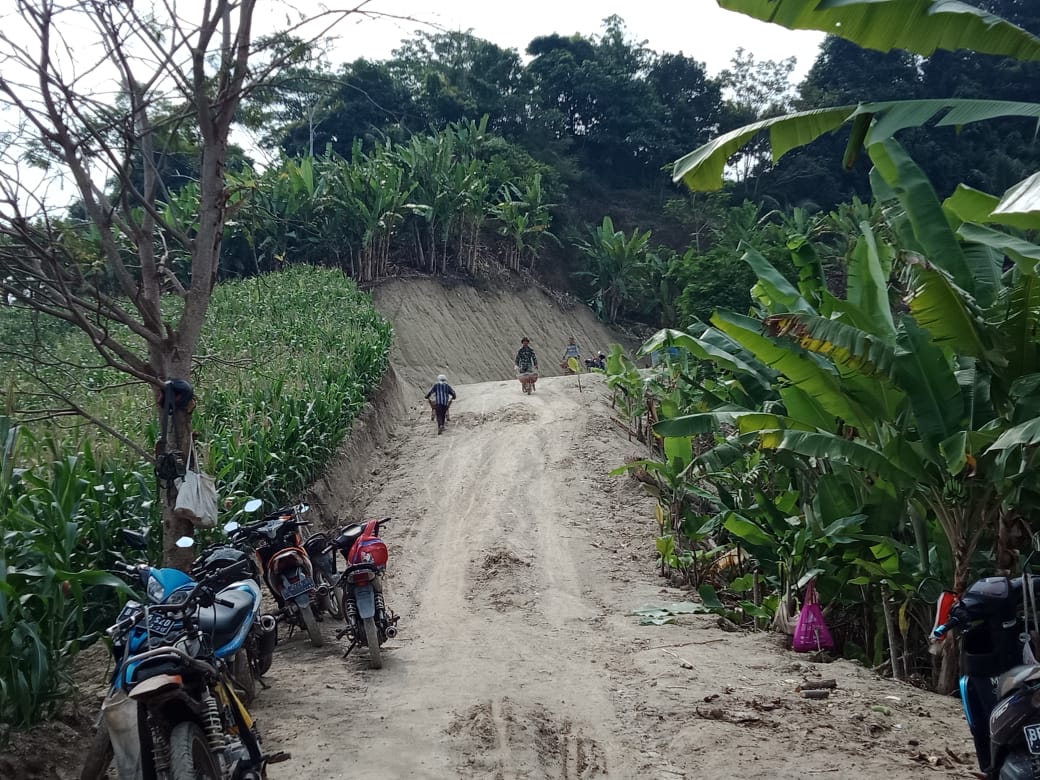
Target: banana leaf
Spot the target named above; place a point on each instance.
(703, 169)
(775, 283)
(919, 26)
(946, 311)
(826, 447)
(869, 269)
(980, 278)
(1026, 254)
(800, 367)
(1019, 323)
(1026, 434)
(924, 372)
(1020, 205)
(712, 353)
(848, 347)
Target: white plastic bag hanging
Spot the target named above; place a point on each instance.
(197, 495)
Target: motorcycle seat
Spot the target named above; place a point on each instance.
(1016, 678)
(222, 622)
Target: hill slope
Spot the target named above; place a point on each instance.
(472, 335)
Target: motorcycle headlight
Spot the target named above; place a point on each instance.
(179, 596)
(155, 590)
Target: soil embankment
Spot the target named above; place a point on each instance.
(472, 335)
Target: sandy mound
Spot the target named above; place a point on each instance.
(472, 335)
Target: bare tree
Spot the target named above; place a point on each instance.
(96, 90)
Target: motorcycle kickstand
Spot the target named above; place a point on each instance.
(353, 643)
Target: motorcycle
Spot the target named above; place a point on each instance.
(359, 589)
(172, 711)
(286, 566)
(1000, 686)
(254, 660)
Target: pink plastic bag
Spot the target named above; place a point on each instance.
(811, 633)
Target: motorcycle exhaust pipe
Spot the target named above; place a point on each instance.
(323, 590)
(268, 633)
(391, 631)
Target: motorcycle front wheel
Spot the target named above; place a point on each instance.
(331, 602)
(99, 755)
(310, 622)
(189, 753)
(375, 656)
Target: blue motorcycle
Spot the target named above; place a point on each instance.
(173, 711)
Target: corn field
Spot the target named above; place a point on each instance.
(287, 362)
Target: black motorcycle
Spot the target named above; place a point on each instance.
(286, 566)
(254, 659)
(1000, 686)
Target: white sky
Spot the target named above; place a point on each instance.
(697, 28)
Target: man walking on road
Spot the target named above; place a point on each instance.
(443, 394)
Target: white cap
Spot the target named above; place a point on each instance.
(442, 378)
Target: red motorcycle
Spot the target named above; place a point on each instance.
(359, 589)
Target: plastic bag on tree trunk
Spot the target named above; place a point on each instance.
(196, 496)
(810, 632)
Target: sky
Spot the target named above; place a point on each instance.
(697, 28)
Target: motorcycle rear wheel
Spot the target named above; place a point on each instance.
(310, 622)
(189, 751)
(341, 600)
(375, 656)
(242, 672)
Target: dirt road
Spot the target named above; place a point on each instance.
(515, 564)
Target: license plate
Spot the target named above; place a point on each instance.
(1032, 734)
(159, 625)
(131, 609)
(294, 589)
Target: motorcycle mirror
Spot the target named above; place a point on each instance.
(252, 505)
(185, 542)
(135, 539)
(232, 526)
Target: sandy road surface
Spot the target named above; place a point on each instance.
(515, 561)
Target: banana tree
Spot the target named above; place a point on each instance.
(919, 26)
(615, 266)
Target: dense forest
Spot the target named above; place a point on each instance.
(585, 127)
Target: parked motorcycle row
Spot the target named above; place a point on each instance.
(189, 654)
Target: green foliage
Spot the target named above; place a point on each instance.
(616, 265)
(57, 523)
(426, 199)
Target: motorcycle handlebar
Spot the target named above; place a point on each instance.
(196, 598)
